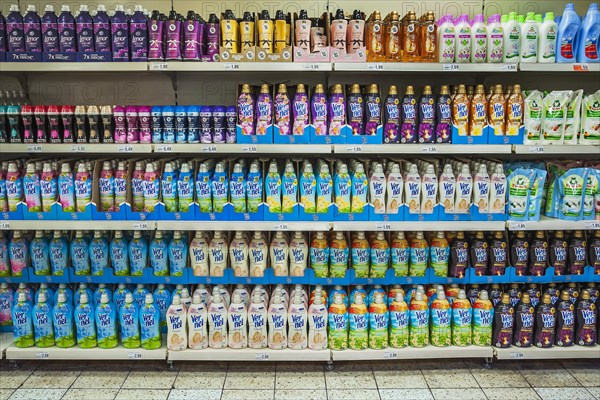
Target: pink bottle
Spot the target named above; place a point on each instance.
(120, 124)
(144, 123)
(133, 130)
(39, 113)
(54, 122)
(120, 185)
(83, 188)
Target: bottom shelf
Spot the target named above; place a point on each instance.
(249, 355)
(553, 353)
(6, 339)
(411, 353)
(76, 353)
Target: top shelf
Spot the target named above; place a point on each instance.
(192, 66)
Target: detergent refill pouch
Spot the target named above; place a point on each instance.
(571, 188)
(536, 193)
(519, 187)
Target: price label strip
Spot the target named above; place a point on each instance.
(159, 66)
(231, 66)
(209, 149)
(249, 149)
(280, 227)
(140, 226)
(516, 355)
(357, 148)
(125, 149)
(42, 355)
(515, 226)
(4, 225)
(536, 149)
(77, 148)
(388, 355)
(375, 67)
(312, 67)
(164, 148)
(262, 357)
(383, 227)
(136, 355)
(429, 149)
(451, 67)
(34, 148)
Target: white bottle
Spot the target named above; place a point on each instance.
(204, 294)
(377, 188)
(512, 39)
(412, 190)
(199, 255)
(498, 191)
(264, 295)
(463, 39)
(176, 325)
(279, 254)
(300, 289)
(297, 316)
(258, 254)
(186, 300)
(237, 319)
(197, 321)
(429, 190)
(317, 323)
(217, 252)
(464, 189)
(481, 189)
(446, 39)
(257, 322)
(395, 189)
(277, 316)
(217, 322)
(447, 189)
(495, 39)
(241, 291)
(298, 254)
(547, 43)
(530, 32)
(238, 254)
(224, 294)
(479, 37)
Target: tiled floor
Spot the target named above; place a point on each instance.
(431, 379)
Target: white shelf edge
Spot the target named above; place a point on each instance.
(560, 67)
(551, 224)
(6, 340)
(419, 226)
(424, 67)
(557, 149)
(233, 66)
(73, 66)
(553, 353)
(410, 353)
(77, 225)
(429, 149)
(244, 225)
(76, 353)
(55, 148)
(249, 355)
(207, 148)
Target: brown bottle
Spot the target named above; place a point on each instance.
(460, 111)
(459, 256)
(523, 332)
(594, 252)
(497, 111)
(478, 112)
(514, 111)
(428, 38)
(410, 52)
(479, 254)
(502, 332)
(393, 31)
(545, 323)
(586, 319)
(565, 321)
(375, 51)
(498, 254)
(558, 253)
(577, 254)
(519, 253)
(538, 254)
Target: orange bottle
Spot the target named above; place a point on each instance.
(514, 111)
(375, 51)
(497, 111)
(478, 112)
(428, 38)
(460, 111)
(410, 51)
(393, 31)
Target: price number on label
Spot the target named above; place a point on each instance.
(141, 225)
(536, 149)
(280, 227)
(249, 149)
(451, 67)
(357, 148)
(390, 355)
(232, 66)
(262, 357)
(376, 67)
(164, 148)
(592, 225)
(134, 355)
(125, 149)
(42, 355)
(209, 149)
(159, 66)
(429, 149)
(515, 226)
(509, 67)
(515, 355)
(4, 225)
(77, 148)
(312, 67)
(581, 67)
(383, 227)
(34, 148)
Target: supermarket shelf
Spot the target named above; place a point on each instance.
(560, 67)
(75, 225)
(424, 67)
(76, 353)
(55, 148)
(419, 226)
(534, 353)
(6, 340)
(546, 223)
(249, 355)
(422, 149)
(560, 149)
(243, 148)
(73, 66)
(410, 353)
(244, 225)
(192, 66)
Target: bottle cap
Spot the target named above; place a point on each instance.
(149, 298)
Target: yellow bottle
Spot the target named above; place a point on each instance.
(375, 51)
(247, 32)
(497, 111)
(514, 111)
(282, 32)
(393, 30)
(460, 111)
(410, 51)
(478, 112)
(230, 32)
(428, 38)
(265, 32)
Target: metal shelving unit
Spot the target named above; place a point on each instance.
(76, 353)
(6, 340)
(552, 224)
(249, 355)
(411, 353)
(553, 353)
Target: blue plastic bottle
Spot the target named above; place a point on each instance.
(62, 318)
(129, 323)
(178, 254)
(193, 123)
(100, 290)
(85, 323)
(63, 288)
(181, 135)
(168, 118)
(588, 38)
(138, 255)
(119, 256)
(106, 323)
(119, 295)
(38, 249)
(150, 324)
(42, 322)
(157, 124)
(22, 322)
(81, 290)
(158, 255)
(139, 295)
(48, 291)
(162, 299)
(566, 40)
(98, 253)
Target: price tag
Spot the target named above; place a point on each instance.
(231, 66)
(140, 225)
(134, 355)
(509, 67)
(249, 149)
(429, 149)
(516, 355)
(159, 66)
(209, 149)
(280, 227)
(536, 149)
(581, 67)
(163, 148)
(390, 355)
(515, 226)
(383, 227)
(312, 67)
(4, 225)
(34, 148)
(356, 148)
(451, 67)
(42, 355)
(78, 148)
(375, 67)
(262, 357)
(125, 149)
(592, 225)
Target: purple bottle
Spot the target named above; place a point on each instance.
(443, 125)
(133, 129)
(498, 254)
(206, 132)
(502, 332)
(173, 28)
(219, 124)
(201, 35)
(66, 30)
(2, 33)
(85, 30)
(283, 112)
(553, 291)
(534, 294)
(101, 23)
(577, 256)
(32, 30)
(138, 31)
(514, 293)
(119, 27)
(264, 110)
(538, 255)
(594, 253)
(519, 253)
(565, 321)
(337, 110)
(479, 254)
(558, 253)
(408, 129)
(587, 316)
(49, 31)
(120, 124)
(191, 28)
(14, 30)
(391, 112)
(545, 323)
(231, 118)
(144, 119)
(372, 102)
(427, 116)
(356, 110)
(213, 38)
(524, 317)
(318, 109)
(155, 34)
(245, 111)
